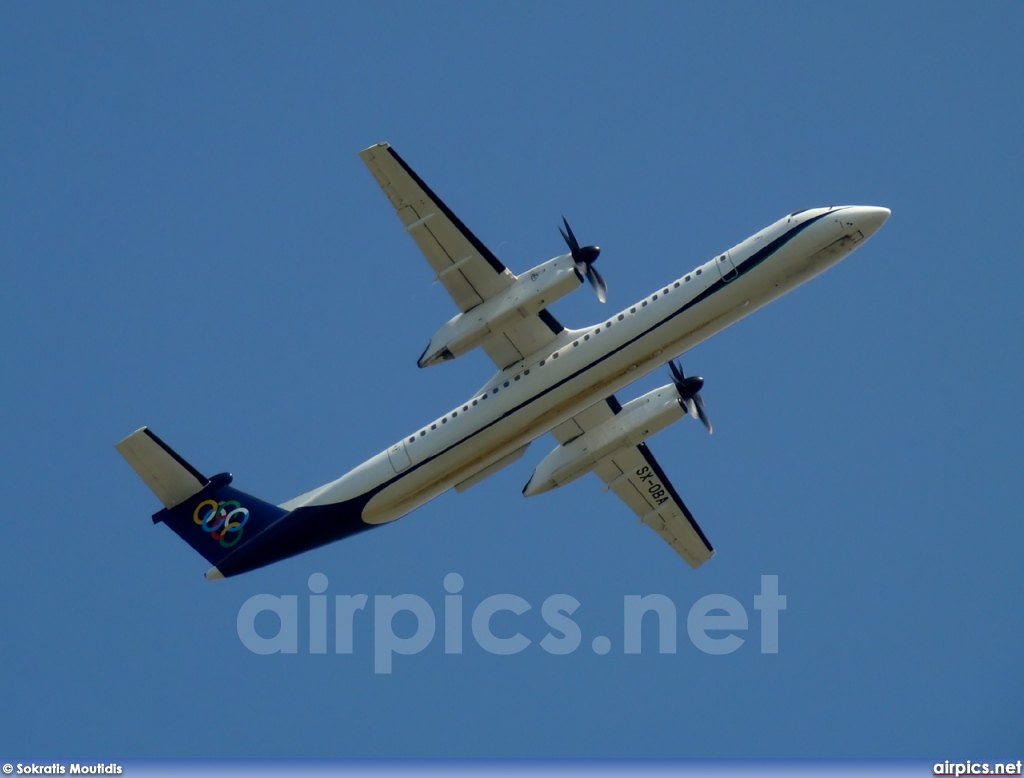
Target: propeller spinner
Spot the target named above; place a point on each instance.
(585, 257)
(689, 393)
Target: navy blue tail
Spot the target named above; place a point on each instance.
(219, 519)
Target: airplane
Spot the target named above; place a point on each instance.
(549, 379)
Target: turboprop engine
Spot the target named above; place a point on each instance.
(531, 292)
(528, 295)
(631, 426)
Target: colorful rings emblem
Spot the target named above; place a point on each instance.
(223, 520)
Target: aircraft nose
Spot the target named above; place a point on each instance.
(869, 218)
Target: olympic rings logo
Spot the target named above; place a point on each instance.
(223, 520)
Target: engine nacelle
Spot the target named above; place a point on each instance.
(637, 421)
(530, 293)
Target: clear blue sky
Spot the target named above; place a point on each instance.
(189, 241)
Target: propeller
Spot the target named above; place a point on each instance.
(585, 257)
(689, 394)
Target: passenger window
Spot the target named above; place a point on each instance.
(632, 310)
(516, 378)
(454, 414)
(622, 316)
(526, 372)
(665, 292)
(687, 278)
(587, 336)
(465, 407)
(474, 402)
(444, 420)
(422, 433)
(506, 384)
(412, 439)
(643, 304)
(654, 298)
(698, 271)
(675, 285)
(433, 426)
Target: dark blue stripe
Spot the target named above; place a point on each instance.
(174, 455)
(551, 322)
(484, 252)
(647, 455)
(745, 267)
(309, 527)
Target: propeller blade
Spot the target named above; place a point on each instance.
(565, 238)
(598, 283)
(689, 393)
(677, 374)
(699, 403)
(584, 257)
(570, 239)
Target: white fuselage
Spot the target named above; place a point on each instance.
(585, 366)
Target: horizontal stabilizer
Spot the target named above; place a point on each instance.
(172, 479)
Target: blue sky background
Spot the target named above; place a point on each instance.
(189, 241)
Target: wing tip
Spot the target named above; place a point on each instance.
(383, 145)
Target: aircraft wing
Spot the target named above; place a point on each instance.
(635, 476)
(464, 265)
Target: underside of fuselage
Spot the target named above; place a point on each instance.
(595, 363)
(303, 529)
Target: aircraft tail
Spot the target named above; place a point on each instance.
(207, 513)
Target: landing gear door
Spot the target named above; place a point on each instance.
(399, 457)
(725, 267)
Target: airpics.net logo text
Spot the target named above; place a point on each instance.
(714, 623)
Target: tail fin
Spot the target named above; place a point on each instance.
(207, 513)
